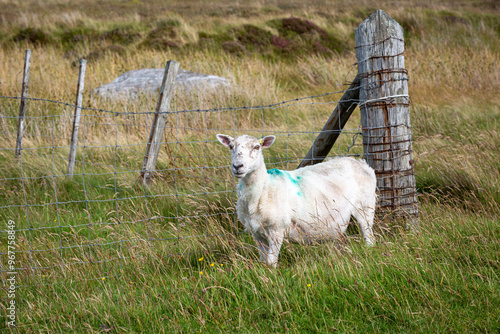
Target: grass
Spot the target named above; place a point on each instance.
(408, 283)
(172, 258)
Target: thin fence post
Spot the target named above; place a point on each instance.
(159, 121)
(385, 115)
(22, 107)
(76, 117)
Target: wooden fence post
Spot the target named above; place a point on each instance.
(333, 127)
(22, 108)
(160, 118)
(385, 115)
(76, 117)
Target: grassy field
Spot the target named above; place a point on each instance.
(171, 257)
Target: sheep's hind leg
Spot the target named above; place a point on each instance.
(365, 221)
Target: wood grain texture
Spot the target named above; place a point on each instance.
(159, 120)
(76, 117)
(22, 107)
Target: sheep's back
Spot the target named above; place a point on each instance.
(340, 180)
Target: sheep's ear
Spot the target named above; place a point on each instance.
(225, 139)
(267, 141)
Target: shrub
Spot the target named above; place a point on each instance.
(233, 47)
(252, 36)
(121, 36)
(32, 35)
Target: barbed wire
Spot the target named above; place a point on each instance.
(371, 85)
(258, 107)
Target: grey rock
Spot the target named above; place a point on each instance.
(148, 81)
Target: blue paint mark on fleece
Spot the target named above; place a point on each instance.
(280, 173)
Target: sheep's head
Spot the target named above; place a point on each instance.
(246, 152)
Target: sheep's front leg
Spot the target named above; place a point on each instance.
(275, 241)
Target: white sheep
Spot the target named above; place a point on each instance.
(313, 203)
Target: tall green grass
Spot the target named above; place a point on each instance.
(443, 279)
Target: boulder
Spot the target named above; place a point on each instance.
(148, 81)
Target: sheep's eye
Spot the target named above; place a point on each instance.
(231, 146)
(256, 147)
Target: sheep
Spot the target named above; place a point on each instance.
(310, 204)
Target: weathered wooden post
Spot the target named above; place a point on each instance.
(76, 117)
(385, 115)
(22, 107)
(160, 118)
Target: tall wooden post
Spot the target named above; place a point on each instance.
(160, 119)
(76, 117)
(385, 114)
(22, 107)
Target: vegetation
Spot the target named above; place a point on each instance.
(172, 257)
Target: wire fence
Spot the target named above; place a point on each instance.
(103, 213)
